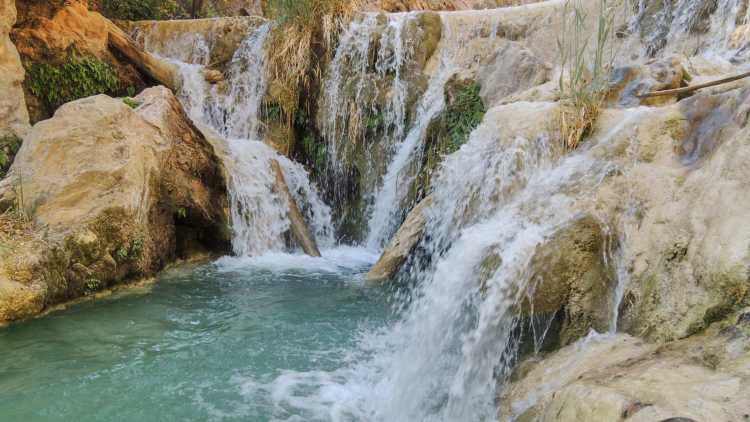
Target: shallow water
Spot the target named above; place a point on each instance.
(206, 343)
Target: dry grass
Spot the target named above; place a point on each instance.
(302, 44)
(583, 83)
(409, 5)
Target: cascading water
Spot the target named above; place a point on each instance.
(386, 210)
(370, 64)
(259, 214)
(724, 21)
(454, 341)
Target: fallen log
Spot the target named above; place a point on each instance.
(689, 89)
(300, 231)
(161, 71)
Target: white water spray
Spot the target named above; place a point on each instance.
(259, 214)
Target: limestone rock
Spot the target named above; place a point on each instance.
(401, 245)
(687, 250)
(113, 194)
(656, 75)
(512, 69)
(14, 118)
(601, 378)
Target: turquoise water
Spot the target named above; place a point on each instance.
(205, 343)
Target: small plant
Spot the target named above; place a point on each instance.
(583, 79)
(136, 248)
(316, 152)
(129, 252)
(374, 121)
(92, 285)
(76, 78)
(181, 213)
(130, 102)
(464, 113)
(273, 112)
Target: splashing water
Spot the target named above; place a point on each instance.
(443, 359)
(259, 214)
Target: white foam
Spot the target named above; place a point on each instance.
(337, 260)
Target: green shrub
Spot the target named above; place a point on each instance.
(464, 111)
(74, 79)
(463, 114)
(135, 10)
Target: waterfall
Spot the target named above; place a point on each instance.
(386, 210)
(499, 198)
(717, 28)
(258, 213)
(370, 63)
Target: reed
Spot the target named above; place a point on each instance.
(302, 43)
(583, 78)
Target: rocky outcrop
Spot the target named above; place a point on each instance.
(14, 119)
(570, 275)
(113, 194)
(613, 378)
(679, 207)
(59, 35)
(401, 246)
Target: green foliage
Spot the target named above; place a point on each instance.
(129, 252)
(135, 10)
(181, 213)
(9, 146)
(316, 152)
(374, 121)
(273, 112)
(464, 113)
(132, 103)
(92, 285)
(76, 78)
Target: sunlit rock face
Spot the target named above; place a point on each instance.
(14, 118)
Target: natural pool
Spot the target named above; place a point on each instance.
(212, 342)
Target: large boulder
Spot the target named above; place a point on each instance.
(611, 378)
(113, 194)
(219, 37)
(14, 119)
